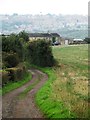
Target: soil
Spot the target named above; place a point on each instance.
(13, 107)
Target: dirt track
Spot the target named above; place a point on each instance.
(12, 107)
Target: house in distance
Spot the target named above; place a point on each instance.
(55, 38)
(46, 36)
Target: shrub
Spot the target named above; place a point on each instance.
(10, 59)
(16, 73)
(24, 35)
(40, 53)
(5, 77)
(12, 44)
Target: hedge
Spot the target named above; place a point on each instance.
(13, 74)
(40, 53)
(10, 59)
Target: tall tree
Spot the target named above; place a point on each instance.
(24, 35)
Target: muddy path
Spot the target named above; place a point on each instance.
(13, 107)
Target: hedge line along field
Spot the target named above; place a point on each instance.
(65, 95)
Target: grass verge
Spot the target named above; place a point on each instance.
(50, 107)
(13, 85)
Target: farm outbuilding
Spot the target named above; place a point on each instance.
(66, 41)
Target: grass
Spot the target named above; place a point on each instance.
(50, 107)
(65, 93)
(73, 74)
(24, 93)
(13, 85)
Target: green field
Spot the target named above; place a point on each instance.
(65, 94)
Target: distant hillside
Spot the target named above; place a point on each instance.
(66, 25)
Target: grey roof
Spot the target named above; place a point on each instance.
(55, 35)
(39, 35)
(44, 35)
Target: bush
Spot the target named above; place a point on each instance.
(10, 59)
(12, 44)
(40, 53)
(5, 77)
(16, 73)
(13, 74)
(24, 35)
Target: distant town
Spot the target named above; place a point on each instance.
(70, 26)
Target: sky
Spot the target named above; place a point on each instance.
(44, 7)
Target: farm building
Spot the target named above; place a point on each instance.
(66, 41)
(46, 36)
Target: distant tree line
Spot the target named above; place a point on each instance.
(87, 40)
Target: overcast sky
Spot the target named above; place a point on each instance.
(44, 6)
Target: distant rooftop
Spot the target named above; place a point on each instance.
(55, 34)
(77, 39)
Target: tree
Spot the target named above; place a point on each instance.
(40, 53)
(87, 40)
(24, 35)
(14, 49)
(12, 44)
(53, 39)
